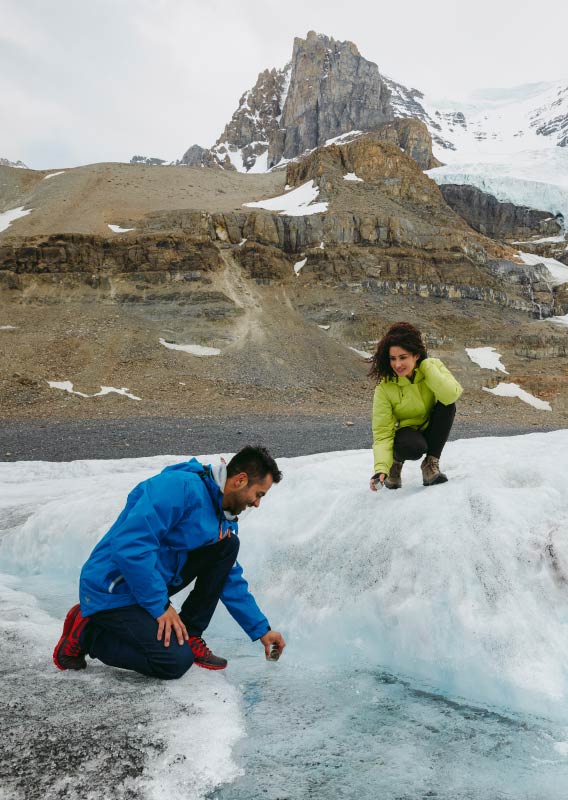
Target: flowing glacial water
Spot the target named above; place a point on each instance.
(427, 636)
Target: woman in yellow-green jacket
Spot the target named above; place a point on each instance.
(413, 407)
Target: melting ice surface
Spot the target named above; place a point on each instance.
(427, 635)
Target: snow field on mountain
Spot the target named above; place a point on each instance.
(497, 147)
(497, 121)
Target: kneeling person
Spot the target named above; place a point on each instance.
(176, 527)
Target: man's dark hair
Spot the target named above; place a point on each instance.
(257, 462)
(401, 334)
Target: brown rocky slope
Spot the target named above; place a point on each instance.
(80, 303)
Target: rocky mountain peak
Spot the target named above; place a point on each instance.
(326, 90)
(246, 137)
(5, 162)
(333, 90)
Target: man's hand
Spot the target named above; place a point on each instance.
(377, 481)
(169, 620)
(270, 638)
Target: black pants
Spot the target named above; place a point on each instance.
(210, 566)
(127, 637)
(410, 444)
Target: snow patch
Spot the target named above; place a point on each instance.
(486, 358)
(324, 327)
(299, 202)
(562, 320)
(7, 217)
(551, 239)
(67, 386)
(362, 353)
(350, 176)
(299, 264)
(53, 174)
(261, 163)
(193, 349)
(8, 327)
(343, 138)
(557, 269)
(118, 229)
(514, 390)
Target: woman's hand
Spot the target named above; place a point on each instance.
(377, 481)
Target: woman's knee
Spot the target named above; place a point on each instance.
(409, 445)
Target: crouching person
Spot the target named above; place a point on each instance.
(177, 527)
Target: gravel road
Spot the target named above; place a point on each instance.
(131, 438)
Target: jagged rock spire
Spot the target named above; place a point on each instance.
(333, 90)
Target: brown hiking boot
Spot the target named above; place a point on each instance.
(431, 471)
(393, 479)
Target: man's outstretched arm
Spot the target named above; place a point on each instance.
(242, 606)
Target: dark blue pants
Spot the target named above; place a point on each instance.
(410, 444)
(127, 637)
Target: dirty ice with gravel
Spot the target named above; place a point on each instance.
(427, 638)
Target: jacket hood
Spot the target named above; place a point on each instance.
(205, 472)
(187, 466)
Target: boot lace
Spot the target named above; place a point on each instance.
(200, 649)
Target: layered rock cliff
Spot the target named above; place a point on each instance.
(386, 229)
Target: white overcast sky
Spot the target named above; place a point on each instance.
(100, 80)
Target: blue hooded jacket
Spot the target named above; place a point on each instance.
(143, 553)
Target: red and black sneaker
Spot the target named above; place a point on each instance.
(68, 653)
(203, 656)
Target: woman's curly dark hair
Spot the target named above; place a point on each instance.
(401, 334)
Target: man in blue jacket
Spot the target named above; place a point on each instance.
(176, 527)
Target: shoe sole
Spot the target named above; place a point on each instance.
(67, 625)
(209, 666)
(439, 479)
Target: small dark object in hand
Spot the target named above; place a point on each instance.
(274, 653)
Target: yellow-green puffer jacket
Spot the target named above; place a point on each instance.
(401, 403)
